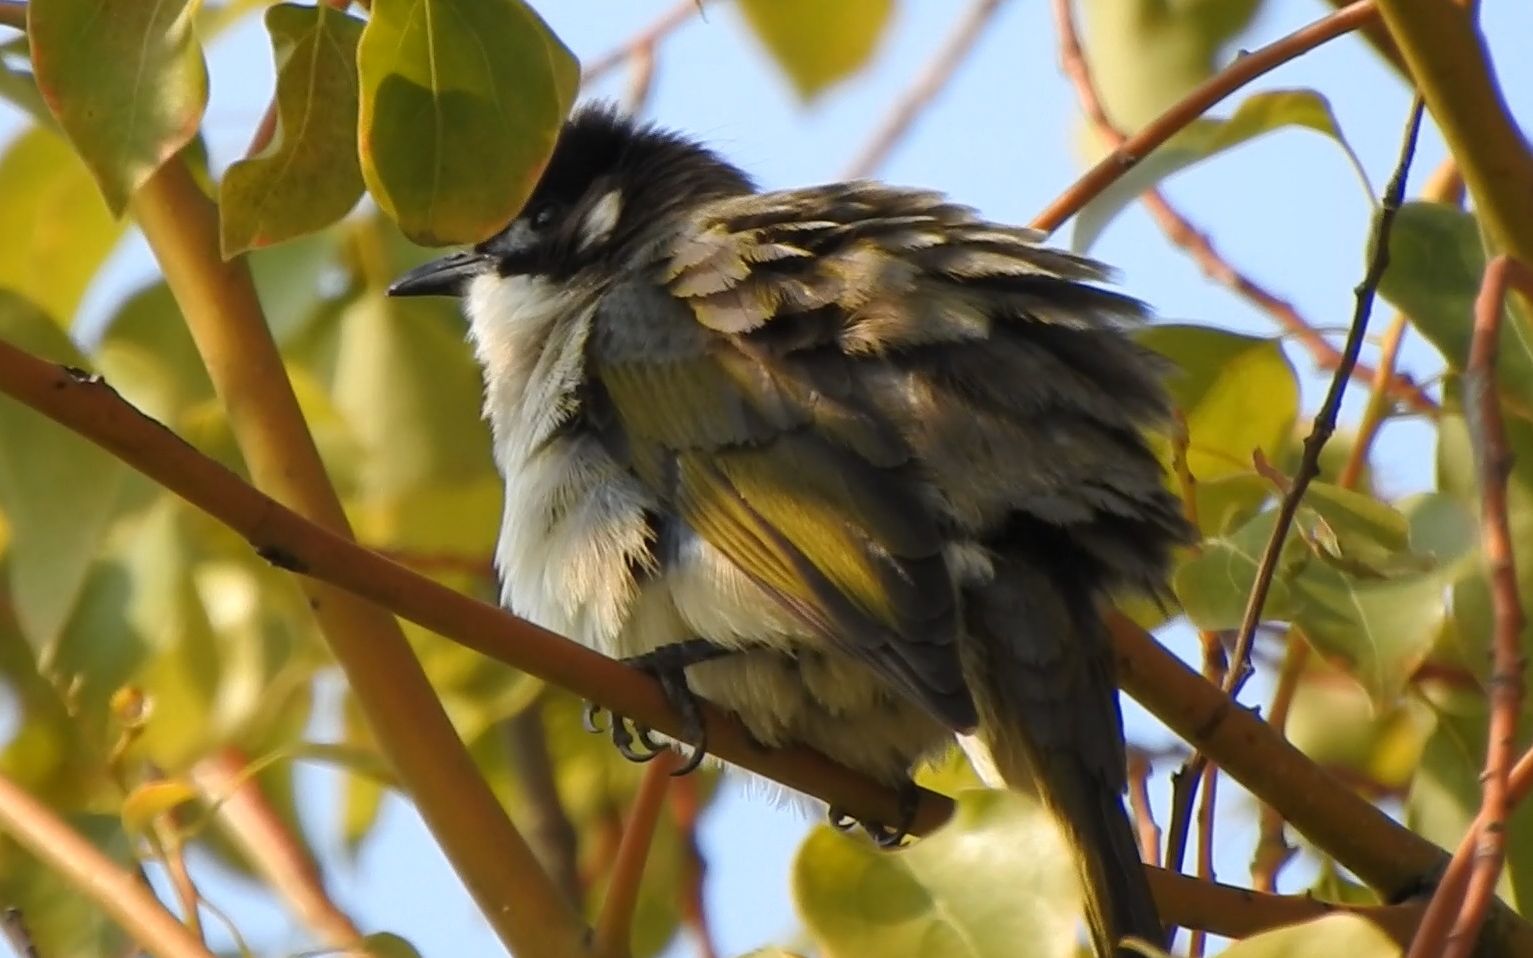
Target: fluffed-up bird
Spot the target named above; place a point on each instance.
(850, 461)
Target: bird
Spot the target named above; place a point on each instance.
(849, 461)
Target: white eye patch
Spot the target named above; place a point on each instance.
(600, 219)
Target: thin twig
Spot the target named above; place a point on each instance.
(13, 14)
(1199, 939)
(1435, 923)
(1145, 827)
(246, 816)
(548, 825)
(1195, 242)
(1208, 93)
(686, 808)
(171, 849)
(615, 924)
(13, 926)
(930, 82)
(641, 80)
(1330, 408)
(1309, 468)
(1482, 406)
(645, 39)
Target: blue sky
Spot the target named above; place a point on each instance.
(1285, 208)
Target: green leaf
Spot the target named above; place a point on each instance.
(1347, 935)
(60, 918)
(462, 101)
(818, 44)
(1212, 586)
(58, 491)
(1346, 577)
(1445, 794)
(128, 86)
(1436, 259)
(59, 229)
(1238, 394)
(308, 176)
(1144, 54)
(997, 874)
(146, 801)
(1257, 115)
(383, 944)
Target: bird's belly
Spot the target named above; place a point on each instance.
(573, 533)
(576, 556)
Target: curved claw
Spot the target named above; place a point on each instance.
(623, 739)
(839, 819)
(646, 737)
(693, 761)
(590, 717)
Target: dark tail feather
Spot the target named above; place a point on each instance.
(1041, 671)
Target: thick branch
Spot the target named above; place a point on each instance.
(1448, 60)
(224, 317)
(1380, 850)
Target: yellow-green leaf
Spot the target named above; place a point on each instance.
(308, 176)
(462, 101)
(1238, 394)
(58, 491)
(1346, 935)
(1436, 259)
(154, 798)
(1256, 116)
(128, 84)
(1144, 54)
(57, 229)
(997, 874)
(818, 44)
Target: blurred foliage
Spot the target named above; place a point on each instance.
(139, 640)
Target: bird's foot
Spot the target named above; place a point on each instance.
(884, 836)
(668, 664)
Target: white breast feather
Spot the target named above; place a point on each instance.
(573, 521)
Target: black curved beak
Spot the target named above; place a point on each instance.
(448, 276)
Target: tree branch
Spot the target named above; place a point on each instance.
(1196, 243)
(1482, 405)
(224, 317)
(13, 14)
(927, 85)
(1197, 102)
(645, 39)
(1448, 60)
(1381, 851)
(116, 891)
(1330, 409)
(615, 925)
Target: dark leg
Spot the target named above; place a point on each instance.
(668, 664)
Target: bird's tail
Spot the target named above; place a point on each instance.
(1040, 666)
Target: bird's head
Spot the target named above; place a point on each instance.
(612, 188)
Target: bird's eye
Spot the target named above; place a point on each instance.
(543, 217)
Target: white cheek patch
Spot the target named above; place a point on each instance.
(600, 220)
